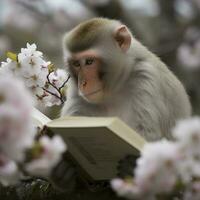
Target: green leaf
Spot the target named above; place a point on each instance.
(51, 68)
(12, 56)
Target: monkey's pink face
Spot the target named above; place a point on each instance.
(85, 66)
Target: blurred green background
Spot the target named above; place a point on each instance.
(169, 28)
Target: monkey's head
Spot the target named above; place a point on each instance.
(97, 55)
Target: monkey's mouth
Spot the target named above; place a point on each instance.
(94, 92)
(95, 96)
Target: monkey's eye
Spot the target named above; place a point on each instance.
(76, 63)
(89, 61)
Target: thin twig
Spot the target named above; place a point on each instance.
(64, 83)
(52, 83)
(57, 89)
(54, 95)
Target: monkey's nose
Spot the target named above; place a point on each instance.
(84, 83)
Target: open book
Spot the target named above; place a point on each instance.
(96, 144)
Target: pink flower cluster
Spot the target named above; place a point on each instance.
(164, 164)
(17, 135)
(47, 85)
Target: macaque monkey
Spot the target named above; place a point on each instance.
(113, 74)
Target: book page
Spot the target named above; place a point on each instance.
(78, 122)
(127, 134)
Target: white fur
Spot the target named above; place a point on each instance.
(150, 99)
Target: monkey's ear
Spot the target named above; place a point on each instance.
(123, 37)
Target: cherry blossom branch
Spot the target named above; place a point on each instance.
(53, 94)
(61, 97)
(49, 82)
(45, 81)
(63, 85)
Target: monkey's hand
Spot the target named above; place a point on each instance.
(126, 166)
(64, 177)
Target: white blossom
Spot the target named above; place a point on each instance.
(8, 68)
(125, 188)
(49, 100)
(33, 66)
(164, 164)
(156, 172)
(16, 129)
(30, 66)
(187, 132)
(50, 156)
(37, 80)
(156, 168)
(17, 134)
(30, 51)
(58, 77)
